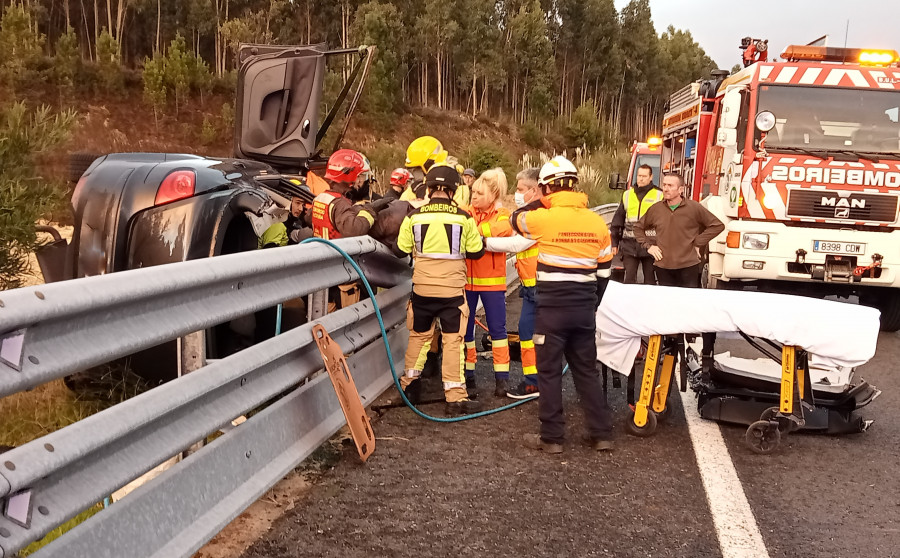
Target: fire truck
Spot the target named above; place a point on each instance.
(800, 158)
(642, 153)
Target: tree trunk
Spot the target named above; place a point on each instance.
(87, 31)
(158, 24)
(68, 18)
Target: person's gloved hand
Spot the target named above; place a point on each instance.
(656, 252)
(381, 204)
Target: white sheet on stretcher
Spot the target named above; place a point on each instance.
(835, 334)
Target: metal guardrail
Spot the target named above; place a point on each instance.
(50, 331)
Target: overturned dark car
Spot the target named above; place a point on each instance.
(134, 210)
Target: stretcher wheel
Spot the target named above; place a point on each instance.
(769, 414)
(664, 415)
(641, 431)
(763, 437)
(485, 342)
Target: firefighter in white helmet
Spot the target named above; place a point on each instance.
(573, 268)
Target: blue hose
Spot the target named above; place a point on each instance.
(387, 347)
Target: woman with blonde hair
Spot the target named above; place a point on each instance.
(486, 278)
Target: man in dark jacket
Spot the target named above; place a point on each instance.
(635, 203)
(681, 228)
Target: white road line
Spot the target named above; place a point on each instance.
(736, 527)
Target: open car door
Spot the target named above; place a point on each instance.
(279, 95)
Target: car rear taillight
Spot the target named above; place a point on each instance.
(177, 186)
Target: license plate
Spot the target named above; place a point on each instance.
(838, 247)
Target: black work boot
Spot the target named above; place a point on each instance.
(463, 407)
(471, 388)
(501, 387)
(414, 392)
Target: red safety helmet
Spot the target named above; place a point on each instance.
(400, 177)
(345, 165)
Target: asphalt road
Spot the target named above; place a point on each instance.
(472, 489)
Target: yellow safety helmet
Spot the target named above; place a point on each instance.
(424, 152)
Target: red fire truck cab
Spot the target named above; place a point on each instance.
(800, 159)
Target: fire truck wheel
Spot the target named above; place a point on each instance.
(888, 302)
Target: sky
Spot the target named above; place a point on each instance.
(718, 25)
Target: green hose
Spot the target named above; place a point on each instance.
(387, 347)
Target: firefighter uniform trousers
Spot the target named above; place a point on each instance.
(421, 315)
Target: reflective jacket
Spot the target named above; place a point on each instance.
(573, 248)
(334, 216)
(489, 272)
(441, 238)
(635, 207)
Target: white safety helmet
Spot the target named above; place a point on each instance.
(559, 172)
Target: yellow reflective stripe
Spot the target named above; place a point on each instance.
(529, 344)
(529, 370)
(499, 343)
(367, 216)
(485, 229)
(470, 365)
(503, 218)
(531, 282)
(567, 261)
(501, 367)
(487, 281)
(530, 253)
(470, 344)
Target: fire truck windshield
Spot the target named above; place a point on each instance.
(807, 119)
(651, 159)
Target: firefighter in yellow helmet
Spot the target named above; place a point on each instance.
(421, 155)
(573, 268)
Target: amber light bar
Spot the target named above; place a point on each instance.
(879, 57)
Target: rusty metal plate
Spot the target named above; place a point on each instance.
(336, 365)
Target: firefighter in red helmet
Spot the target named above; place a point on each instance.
(333, 214)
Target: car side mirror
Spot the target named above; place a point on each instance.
(616, 182)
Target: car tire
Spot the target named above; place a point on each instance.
(79, 162)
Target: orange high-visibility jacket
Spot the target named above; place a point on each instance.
(488, 273)
(573, 247)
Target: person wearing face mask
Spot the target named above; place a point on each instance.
(529, 194)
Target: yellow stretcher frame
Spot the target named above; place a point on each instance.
(764, 435)
(651, 407)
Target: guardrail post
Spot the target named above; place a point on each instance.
(318, 304)
(191, 357)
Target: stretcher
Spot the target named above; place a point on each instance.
(806, 379)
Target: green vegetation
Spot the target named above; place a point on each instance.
(547, 65)
(25, 196)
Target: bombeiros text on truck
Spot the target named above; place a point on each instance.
(800, 158)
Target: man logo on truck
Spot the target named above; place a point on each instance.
(843, 202)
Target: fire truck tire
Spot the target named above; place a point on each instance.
(888, 302)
